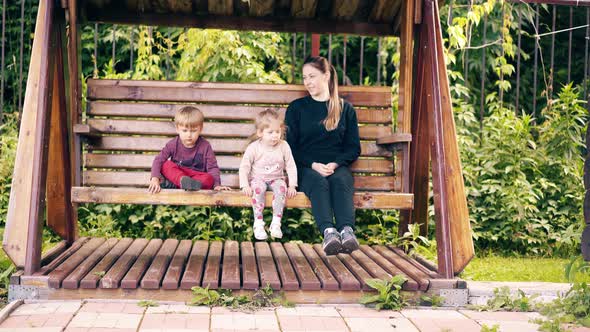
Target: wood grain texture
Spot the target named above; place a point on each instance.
(364, 200)
(230, 274)
(213, 266)
(153, 277)
(194, 268)
(266, 266)
(99, 270)
(305, 273)
(250, 279)
(174, 271)
(73, 279)
(112, 278)
(326, 278)
(132, 278)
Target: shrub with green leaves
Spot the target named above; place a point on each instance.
(388, 293)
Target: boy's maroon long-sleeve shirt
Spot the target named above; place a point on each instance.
(199, 158)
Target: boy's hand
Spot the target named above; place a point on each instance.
(291, 192)
(219, 188)
(247, 191)
(154, 187)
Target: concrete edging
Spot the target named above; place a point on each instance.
(10, 307)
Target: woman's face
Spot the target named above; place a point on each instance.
(315, 81)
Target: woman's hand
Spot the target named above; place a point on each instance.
(247, 191)
(220, 188)
(323, 169)
(291, 192)
(154, 187)
(333, 166)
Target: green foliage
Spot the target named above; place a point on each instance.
(432, 300)
(388, 293)
(8, 142)
(573, 307)
(229, 56)
(503, 300)
(147, 303)
(263, 297)
(494, 328)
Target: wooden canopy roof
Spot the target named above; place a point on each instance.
(362, 17)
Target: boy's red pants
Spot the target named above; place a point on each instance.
(173, 173)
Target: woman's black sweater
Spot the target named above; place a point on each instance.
(310, 141)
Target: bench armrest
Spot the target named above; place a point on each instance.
(85, 130)
(394, 139)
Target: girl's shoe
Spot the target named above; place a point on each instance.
(275, 230)
(259, 232)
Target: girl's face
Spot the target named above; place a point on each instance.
(271, 135)
(315, 81)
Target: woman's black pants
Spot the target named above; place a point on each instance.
(331, 197)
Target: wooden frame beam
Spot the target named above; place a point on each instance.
(575, 3)
(278, 24)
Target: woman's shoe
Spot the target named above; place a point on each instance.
(349, 241)
(332, 243)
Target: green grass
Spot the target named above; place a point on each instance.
(495, 268)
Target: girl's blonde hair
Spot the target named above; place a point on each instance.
(189, 116)
(265, 119)
(334, 103)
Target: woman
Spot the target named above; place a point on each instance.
(322, 131)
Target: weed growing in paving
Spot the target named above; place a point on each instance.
(147, 303)
(262, 298)
(494, 328)
(432, 301)
(503, 300)
(388, 294)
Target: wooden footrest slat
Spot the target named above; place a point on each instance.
(73, 280)
(155, 273)
(389, 267)
(230, 274)
(121, 267)
(327, 280)
(213, 266)
(357, 270)
(92, 278)
(172, 277)
(132, 278)
(431, 274)
(194, 268)
(346, 277)
(286, 273)
(408, 269)
(62, 271)
(266, 266)
(250, 278)
(305, 274)
(62, 257)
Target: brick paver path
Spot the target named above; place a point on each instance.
(118, 316)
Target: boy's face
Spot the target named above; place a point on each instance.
(188, 135)
(270, 135)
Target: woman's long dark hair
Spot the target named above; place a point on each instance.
(334, 104)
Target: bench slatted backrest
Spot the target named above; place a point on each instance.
(134, 119)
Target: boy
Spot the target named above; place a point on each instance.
(187, 161)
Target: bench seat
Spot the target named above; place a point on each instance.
(362, 200)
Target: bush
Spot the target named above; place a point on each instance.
(8, 142)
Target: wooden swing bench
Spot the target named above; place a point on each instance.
(127, 121)
(64, 159)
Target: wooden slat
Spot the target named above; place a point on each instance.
(389, 267)
(113, 278)
(213, 266)
(100, 269)
(346, 278)
(305, 274)
(53, 252)
(250, 278)
(369, 265)
(385, 10)
(356, 269)
(153, 276)
(221, 7)
(225, 163)
(430, 273)
(73, 280)
(344, 9)
(63, 256)
(141, 179)
(406, 267)
(174, 272)
(210, 129)
(362, 200)
(214, 112)
(194, 92)
(61, 272)
(194, 268)
(132, 278)
(219, 145)
(261, 7)
(230, 274)
(266, 266)
(326, 278)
